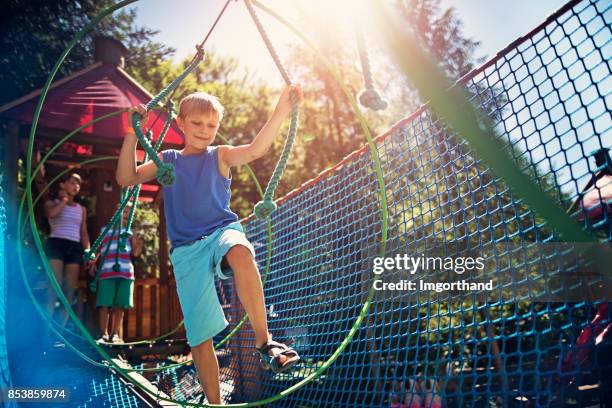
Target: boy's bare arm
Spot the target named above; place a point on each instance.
(128, 173)
(239, 155)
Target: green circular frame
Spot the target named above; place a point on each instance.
(39, 246)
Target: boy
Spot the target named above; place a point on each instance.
(116, 281)
(204, 231)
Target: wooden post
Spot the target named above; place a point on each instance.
(164, 309)
(138, 295)
(153, 311)
(107, 192)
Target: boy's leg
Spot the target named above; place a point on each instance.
(104, 301)
(250, 292)
(207, 367)
(103, 320)
(124, 299)
(117, 320)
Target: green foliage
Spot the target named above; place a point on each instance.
(440, 31)
(329, 128)
(33, 34)
(145, 226)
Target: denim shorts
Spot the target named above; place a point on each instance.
(195, 266)
(70, 252)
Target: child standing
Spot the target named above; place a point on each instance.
(116, 281)
(205, 234)
(68, 239)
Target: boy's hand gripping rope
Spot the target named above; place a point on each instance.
(266, 207)
(125, 234)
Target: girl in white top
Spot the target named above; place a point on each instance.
(68, 239)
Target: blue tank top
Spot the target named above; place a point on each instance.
(198, 202)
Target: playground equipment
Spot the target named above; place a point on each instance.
(416, 189)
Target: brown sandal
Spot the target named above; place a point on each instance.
(269, 362)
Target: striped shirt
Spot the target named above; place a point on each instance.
(67, 224)
(126, 268)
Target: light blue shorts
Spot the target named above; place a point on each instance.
(195, 266)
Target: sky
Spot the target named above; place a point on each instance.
(183, 23)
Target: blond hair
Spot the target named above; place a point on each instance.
(200, 102)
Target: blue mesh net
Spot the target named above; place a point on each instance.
(548, 96)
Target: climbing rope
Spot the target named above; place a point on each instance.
(127, 232)
(165, 171)
(368, 97)
(116, 265)
(266, 207)
(90, 255)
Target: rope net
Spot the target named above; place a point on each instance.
(547, 95)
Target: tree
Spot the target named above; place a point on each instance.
(329, 129)
(33, 34)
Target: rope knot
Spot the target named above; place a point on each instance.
(165, 174)
(264, 209)
(370, 98)
(116, 267)
(123, 237)
(199, 52)
(171, 110)
(89, 255)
